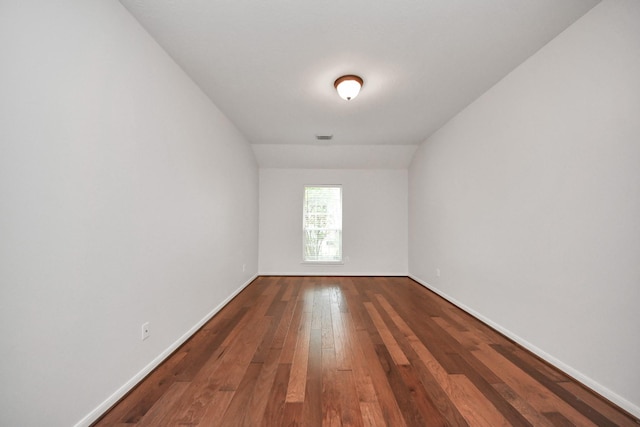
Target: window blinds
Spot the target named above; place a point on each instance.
(322, 223)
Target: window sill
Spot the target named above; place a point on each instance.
(323, 262)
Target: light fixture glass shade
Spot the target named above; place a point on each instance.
(348, 87)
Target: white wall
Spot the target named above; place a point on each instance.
(529, 203)
(374, 222)
(125, 197)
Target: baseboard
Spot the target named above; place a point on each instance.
(332, 273)
(577, 375)
(128, 386)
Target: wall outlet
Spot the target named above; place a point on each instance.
(145, 331)
(437, 272)
(244, 267)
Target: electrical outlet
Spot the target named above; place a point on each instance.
(145, 331)
(244, 267)
(437, 272)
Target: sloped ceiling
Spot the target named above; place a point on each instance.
(270, 67)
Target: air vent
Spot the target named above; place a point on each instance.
(324, 137)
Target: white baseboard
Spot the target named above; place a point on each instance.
(119, 394)
(579, 376)
(332, 273)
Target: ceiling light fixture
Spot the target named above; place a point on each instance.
(348, 86)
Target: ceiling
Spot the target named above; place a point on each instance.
(270, 67)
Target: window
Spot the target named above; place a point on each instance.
(322, 224)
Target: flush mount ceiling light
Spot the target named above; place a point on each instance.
(348, 87)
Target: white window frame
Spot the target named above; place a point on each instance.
(304, 236)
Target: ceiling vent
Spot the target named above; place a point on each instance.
(324, 137)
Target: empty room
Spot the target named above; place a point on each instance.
(367, 213)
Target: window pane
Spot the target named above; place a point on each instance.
(322, 224)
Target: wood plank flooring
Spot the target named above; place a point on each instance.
(354, 351)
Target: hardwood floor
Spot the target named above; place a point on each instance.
(365, 351)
